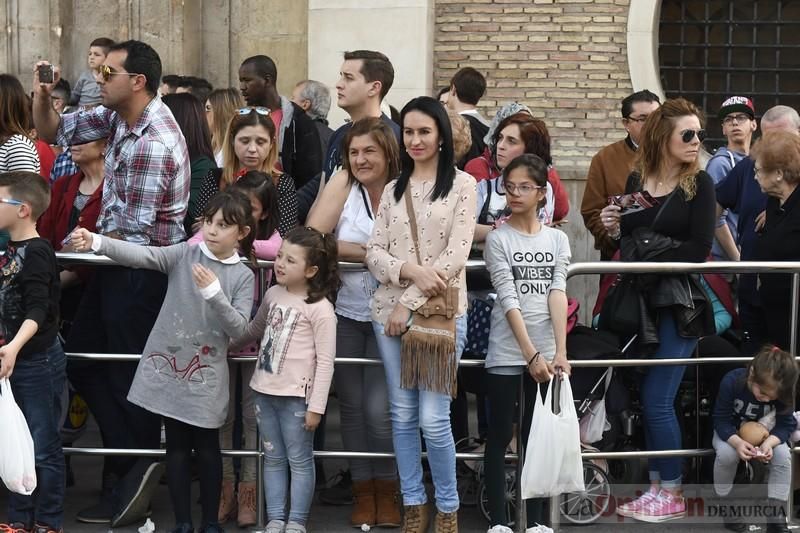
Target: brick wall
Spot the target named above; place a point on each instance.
(565, 59)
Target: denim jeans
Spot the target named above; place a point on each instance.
(412, 410)
(287, 447)
(658, 391)
(38, 382)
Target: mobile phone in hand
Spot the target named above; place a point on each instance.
(45, 73)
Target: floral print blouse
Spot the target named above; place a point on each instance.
(446, 227)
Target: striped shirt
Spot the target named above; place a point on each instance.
(147, 174)
(19, 153)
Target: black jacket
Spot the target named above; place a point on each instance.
(301, 155)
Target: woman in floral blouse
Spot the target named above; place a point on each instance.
(443, 200)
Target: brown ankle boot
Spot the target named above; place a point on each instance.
(247, 504)
(446, 522)
(415, 518)
(227, 502)
(387, 504)
(363, 503)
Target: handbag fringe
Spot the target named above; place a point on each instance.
(428, 360)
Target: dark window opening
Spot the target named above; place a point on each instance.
(712, 49)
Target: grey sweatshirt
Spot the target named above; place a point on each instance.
(85, 91)
(183, 373)
(524, 269)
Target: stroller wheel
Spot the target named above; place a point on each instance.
(587, 506)
(510, 494)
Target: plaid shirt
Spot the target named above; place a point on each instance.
(63, 166)
(147, 175)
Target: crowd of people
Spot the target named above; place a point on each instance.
(179, 183)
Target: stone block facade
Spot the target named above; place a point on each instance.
(565, 59)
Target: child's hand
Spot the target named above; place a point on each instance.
(312, 421)
(540, 370)
(764, 453)
(81, 240)
(8, 358)
(746, 450)
(203, 277)
(560, 363)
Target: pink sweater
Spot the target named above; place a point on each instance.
(297, 349)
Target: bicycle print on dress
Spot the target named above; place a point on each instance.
(193, 375)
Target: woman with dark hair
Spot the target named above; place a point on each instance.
(347, 207)
(438, 202)
(189, 115)
(251, 144)
(516, 134)
(679, 228)
(17, 150)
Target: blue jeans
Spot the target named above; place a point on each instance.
(658, 391)
(412, 410)
(38, 382)
(287, 446)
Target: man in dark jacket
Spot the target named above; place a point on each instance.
(467, 87)
(300, 155)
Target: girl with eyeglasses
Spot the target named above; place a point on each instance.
(528, 334)
(679, 228)
(251, 144)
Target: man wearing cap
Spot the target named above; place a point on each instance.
(737, 115)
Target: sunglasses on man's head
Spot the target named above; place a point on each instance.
(688, 135)
(259, 109)
(106, 73)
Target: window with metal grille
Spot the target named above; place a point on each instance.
(712, 49)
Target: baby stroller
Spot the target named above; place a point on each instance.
(603, 405)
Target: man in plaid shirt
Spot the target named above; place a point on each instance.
(145, 197)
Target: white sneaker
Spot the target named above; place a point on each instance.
(539, 529)
(500, 529)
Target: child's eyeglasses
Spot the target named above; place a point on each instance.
(521, 190)
(688, 135)
(10, 201)
(259, 109)
(106, 73)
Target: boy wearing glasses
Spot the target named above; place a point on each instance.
(737, 115)
(30, 353)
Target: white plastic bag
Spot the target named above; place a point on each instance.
(594, 423)
(553, 463)
(17, 461)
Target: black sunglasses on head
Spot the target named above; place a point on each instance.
(688, 135)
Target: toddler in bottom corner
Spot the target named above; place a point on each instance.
(297, 325)
(763, 390)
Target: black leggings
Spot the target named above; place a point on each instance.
(181, 440)
(503, 395)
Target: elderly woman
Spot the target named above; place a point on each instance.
(777, 166)
(347, 207)
(682, 224)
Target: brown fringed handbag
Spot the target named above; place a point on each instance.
(428, 347)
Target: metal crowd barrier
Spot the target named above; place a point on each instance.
(573, 270)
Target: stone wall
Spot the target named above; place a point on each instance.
(208, 38)
(566, 60)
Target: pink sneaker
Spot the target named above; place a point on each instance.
(629, 508)
(666, 506)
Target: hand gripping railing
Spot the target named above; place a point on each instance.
(792, 268)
